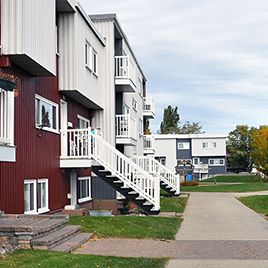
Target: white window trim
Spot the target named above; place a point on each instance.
(7, 117)
(34, 211)
(134, 105)
(46, 208)
(89, 62)
(198, 161)
(218, 159)
(209, 145)
(89, 198)
(186, 146)
(84, 119)
(40, 114)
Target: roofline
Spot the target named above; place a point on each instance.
(113, 17)
(90, 23)
(189, 136)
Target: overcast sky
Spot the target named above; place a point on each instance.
(209, 57)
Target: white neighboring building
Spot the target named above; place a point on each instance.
(203, 153)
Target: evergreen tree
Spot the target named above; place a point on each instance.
(171, 119)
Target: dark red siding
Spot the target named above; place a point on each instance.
(38, 151)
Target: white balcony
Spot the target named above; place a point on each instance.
(75, 148)
(124, 74)
(149, 144)
(126, 130)
(148, 107)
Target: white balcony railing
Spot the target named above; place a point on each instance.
(148, 107)
(201, 168)
(82, 143)
(125, 127)
(148, 143)
(4, 122)
(124, 68)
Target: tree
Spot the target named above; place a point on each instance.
(190, 128)
(171, 119)
(259, 151)
(171, 123)
(239, 147)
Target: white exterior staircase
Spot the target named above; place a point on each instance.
(169, 181)
(113, 167)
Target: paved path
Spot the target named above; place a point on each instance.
(217, 231)
(220, 216)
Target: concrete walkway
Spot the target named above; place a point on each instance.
(217, 231)
(220, 216)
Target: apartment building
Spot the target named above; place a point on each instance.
(71, 134)
(202, 155)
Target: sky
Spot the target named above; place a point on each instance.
(209, 57)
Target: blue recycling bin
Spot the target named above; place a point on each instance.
(189, 177)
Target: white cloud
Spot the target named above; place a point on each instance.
(208, 57)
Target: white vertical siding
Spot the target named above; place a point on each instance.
(167, 148)
(198, 150)
(28, 27)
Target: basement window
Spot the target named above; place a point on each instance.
(84, 189)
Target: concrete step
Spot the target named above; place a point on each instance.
(53, 239)
(73, 243)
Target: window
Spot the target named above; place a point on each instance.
(83, 122)
(184, 162)
(46, 114)
(29, 197)
(6, 117)
(36, 196)
(84, 189)
(161, 160)
(216, 162)
(210, 145)
(134, 104)
(42, 195)
(183, 145)
(196, 161)
(204, 145)
(91, 58)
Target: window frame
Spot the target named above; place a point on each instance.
(187, 147)
(217, 160)
(198, 161)
(34, 211)
(82, 118)
(91, 58)
(46, 208)
(49, 102)
(134, 104)
(89, 197)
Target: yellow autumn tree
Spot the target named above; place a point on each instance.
(259, 151)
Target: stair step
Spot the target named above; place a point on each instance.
(125, 187)
(147, 203)
(117, 182)
(73, 243)
(55, 238)
(132, 192)
(140, 198)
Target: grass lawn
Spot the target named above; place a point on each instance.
(246, 184)
(49, 259)
(173, 204)
(246, 178)
(245, 187)
(129, 226)
(258, 203)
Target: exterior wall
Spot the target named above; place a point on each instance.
(167, 148)
(214, 169)
(185, 153)
(105, 119)
(28, 28)
(37, 151)
(197, 149)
